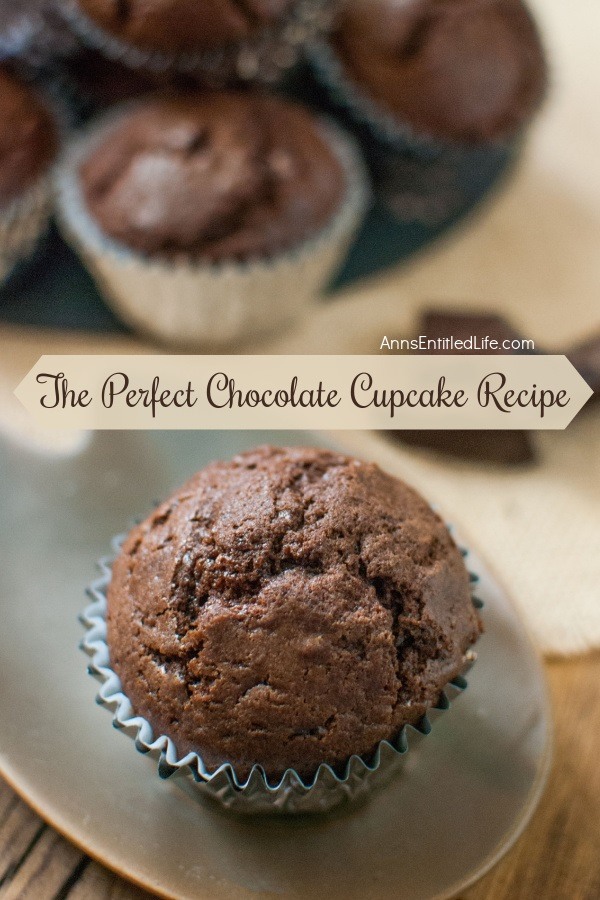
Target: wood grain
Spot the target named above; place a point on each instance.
(558, 857)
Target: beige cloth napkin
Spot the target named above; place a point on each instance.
(530, 253)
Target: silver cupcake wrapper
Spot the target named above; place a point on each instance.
(328, 788)
(22, 224)
(418, 177)
(264, 58)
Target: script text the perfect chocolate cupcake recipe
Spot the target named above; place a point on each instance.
(305, 392)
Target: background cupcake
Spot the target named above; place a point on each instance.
(28, 146)
(222, 39)
(443, 90)
(211, 217)
(290, 609)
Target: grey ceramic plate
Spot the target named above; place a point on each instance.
(459, 803)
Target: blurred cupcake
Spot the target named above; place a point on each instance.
(28, 146)
(224, 39)
(279, 621)
(444, 90)
(214, 217)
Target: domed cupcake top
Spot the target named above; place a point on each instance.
(288, 608)
(218, 175)
(28, 137)
(457, 70)
(179, 26)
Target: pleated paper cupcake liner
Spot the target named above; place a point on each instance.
(264, 58)
(195, 304)
(418, 177)
(292, 794)
(22, 224)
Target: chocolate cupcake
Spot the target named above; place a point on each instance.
(28, 146)
(443, 88)
(289, 611)
(211, 217)
(221, 39)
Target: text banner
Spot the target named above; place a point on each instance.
(304, 392)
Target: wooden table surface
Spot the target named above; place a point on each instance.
(558, 857)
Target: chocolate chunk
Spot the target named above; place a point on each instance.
(586, 359)
(498, 447)
(508, 448)
(462, 326)
(179, 26)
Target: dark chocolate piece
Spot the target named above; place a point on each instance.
(586, 359)
(464, 325)
(498, 447)
(506, 448)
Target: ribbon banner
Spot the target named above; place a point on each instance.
(304, 392)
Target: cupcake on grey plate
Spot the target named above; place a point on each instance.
(443, 89)
(278, 622)
(221, 39)
(28, 148)
(211, 218)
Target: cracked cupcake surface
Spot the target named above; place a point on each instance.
(180, 26)
(215, 176)
(288, 608)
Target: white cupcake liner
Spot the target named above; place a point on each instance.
(263, 58)
(22, 224)
(419, 177)
(196, 304)
(292, 794)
